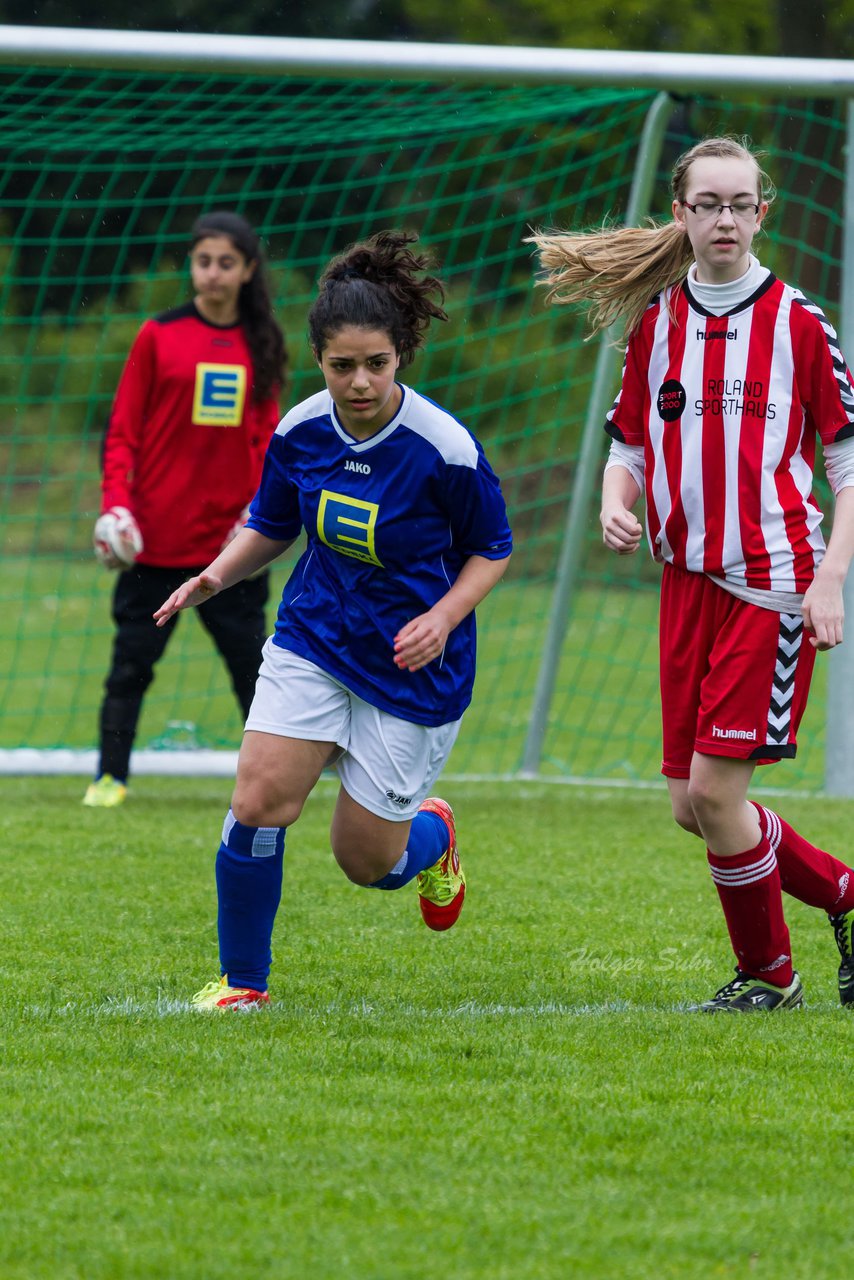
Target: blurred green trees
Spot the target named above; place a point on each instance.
(794, 28)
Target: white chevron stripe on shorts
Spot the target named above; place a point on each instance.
(789, 641)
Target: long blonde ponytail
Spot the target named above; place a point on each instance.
(619, 270)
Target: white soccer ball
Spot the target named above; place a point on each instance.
(117, 539)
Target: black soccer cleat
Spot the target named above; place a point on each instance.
(842, 930)
(751, 995)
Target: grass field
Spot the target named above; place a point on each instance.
(524, 1097)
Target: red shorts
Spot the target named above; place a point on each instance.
(734, 677)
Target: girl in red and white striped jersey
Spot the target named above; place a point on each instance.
(729, 379)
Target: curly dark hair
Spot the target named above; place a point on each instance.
(380, 284)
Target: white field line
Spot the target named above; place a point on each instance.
(362, 1010)
(358, 1010)
(27, 761)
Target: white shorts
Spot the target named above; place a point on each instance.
(388, 765)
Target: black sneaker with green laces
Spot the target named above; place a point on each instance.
(751, 995)
(842, 929)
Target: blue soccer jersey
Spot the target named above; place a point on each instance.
(390, 521)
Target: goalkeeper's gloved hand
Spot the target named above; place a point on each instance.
(116, 538)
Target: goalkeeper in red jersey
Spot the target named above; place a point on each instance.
(194, 411)
(732, 379)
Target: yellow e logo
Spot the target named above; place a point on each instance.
(348, 525)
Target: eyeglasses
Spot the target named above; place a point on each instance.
(704, 210)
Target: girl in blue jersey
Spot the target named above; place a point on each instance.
(372, 661)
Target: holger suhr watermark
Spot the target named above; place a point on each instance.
(667, 960)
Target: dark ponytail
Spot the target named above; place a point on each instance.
(380, 284)
(264, 338)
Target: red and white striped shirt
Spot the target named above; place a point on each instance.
(727, 409)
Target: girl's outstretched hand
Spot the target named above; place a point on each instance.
(192, 592)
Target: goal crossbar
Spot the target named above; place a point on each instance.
(291, 55)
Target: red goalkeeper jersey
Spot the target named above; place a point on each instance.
(186, 441)
(728, 409)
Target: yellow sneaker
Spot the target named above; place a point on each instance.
(442, 887)
(218, 996)
(105, 793)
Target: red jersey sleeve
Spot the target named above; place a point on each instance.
(269, 416)
(127, 416)
(627, 416)
(824, 379)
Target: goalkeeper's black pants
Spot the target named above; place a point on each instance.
(235, 620)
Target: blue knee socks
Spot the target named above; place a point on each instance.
(428, 840)
(249, 886)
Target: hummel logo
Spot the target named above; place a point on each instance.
(742, 735)
(729, 334)
(361, 467)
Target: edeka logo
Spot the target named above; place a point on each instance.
(348, 525)
(671, 400)
(219, 395)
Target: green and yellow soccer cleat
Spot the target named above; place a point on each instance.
(105, 793)
(842, 929)
(442, 887)
(219, 997)
(751, 995)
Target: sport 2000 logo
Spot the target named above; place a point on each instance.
(671, 400)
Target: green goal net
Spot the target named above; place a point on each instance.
(103, 174)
